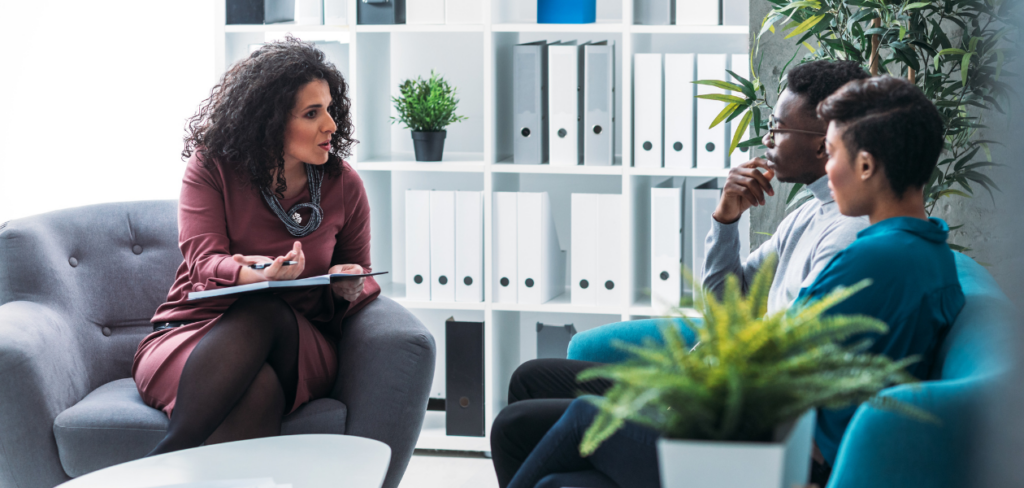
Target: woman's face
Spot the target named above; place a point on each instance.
(307, 136)
(846, 176)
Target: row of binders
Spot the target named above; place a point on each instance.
(668, 257)
(691, 12)
(671, 127)
(529, 263)
(444, 244)
(563, 101)
(596, 263)
(419, 12)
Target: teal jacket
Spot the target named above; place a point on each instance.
(914, 290)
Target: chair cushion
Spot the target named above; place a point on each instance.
(112, 425)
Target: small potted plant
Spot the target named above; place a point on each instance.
(426, 107)
(746, 394)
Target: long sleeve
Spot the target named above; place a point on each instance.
(202, 230)
(722, 257)
(353, 246)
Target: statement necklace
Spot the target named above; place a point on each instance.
(292, 219)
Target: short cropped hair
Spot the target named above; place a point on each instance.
(891, 119)
(819, 79)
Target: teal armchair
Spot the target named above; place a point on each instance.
(882, 448)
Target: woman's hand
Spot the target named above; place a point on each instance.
(276, 271)
(348, 288)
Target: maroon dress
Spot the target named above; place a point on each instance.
(220, 215)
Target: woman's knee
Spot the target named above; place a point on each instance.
(263, 312)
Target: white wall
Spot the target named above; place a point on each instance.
(94, 96)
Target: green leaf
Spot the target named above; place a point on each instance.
(964, 65)
(725, 85)
(721, 97)
(803, 26)
(724, 113)
(739, 131)
(917, 5)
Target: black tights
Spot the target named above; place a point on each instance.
(240, 379)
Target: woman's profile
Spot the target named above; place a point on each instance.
(265, 183)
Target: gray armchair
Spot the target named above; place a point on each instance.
(77, 290)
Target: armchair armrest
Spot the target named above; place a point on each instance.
(386, 366)
(886, 449)
(42, 373)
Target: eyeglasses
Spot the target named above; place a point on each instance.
(773, 127)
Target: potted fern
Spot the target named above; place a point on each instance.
(746, 394)
(426, 107)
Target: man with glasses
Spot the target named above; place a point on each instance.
(806, 239)
(541, 390)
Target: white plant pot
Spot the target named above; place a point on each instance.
(705, 464)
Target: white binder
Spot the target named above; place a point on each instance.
(705, 200)
(679, 93)
(741, 66)
(666, 247)
(735, 12)
(540, 261)
(529, 103)
(599, 103)
(654, 12)
(505, 284)
(583, 258)
(744, 229)
(335, 12)
(647, 110)
(696, 12)
(710, 153)
(442, 246)
(469, 246)
(565, 99)
(417, 245)
(609, 249)
(422, 12)
(463, 11)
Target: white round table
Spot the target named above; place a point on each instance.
(305, 461)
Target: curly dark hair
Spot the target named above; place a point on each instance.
(819, 79)
(243, 121)
(894, 121)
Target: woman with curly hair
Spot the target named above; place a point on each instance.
(265, 177)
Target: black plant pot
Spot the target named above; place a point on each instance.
(428, 145)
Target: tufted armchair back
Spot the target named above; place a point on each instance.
(101, 269)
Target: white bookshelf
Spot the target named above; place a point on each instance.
(476, 58)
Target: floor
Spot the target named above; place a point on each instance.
(431, 469)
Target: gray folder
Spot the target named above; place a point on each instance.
(599, 101)
(370, 12)
(530, 102)
(654, 12)
(553, 340)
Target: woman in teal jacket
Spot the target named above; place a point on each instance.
(884, 140)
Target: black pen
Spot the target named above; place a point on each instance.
(267, 265)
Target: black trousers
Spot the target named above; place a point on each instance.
(539, 393)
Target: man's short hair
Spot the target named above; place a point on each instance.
(819, 79)
(891, 119)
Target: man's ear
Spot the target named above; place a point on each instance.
(866, 166)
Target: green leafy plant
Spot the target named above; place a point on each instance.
(954, 50)
(749, 372)
(426, 105)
